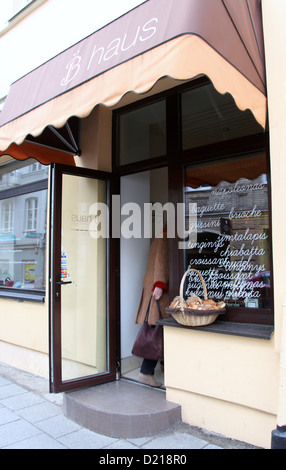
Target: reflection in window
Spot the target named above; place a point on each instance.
(23, 225)
(31, 214)
(232, 250)
(142, 133)
(209, 117)
(7, 216)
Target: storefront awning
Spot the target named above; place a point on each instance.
(39, 152)
(221, 39)
(230, 170)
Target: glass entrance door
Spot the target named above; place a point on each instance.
(81, 326)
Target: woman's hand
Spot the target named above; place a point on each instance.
(157, 293)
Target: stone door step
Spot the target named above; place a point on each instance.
(122, 409)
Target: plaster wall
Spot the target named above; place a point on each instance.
(226, 384)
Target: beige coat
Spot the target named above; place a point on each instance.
(157, 275)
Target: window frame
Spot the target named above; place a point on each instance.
(31, 214)
(10, 216)
(177, 159)
(35, 295)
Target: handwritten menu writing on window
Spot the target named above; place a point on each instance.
(232, 250)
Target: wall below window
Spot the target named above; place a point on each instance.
(24, 359)
(224, 384)
(24, 336)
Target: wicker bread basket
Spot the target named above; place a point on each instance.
(195, 317)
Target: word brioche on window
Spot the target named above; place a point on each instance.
(232, 250)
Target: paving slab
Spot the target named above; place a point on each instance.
(176, 440)
(85, 439)
(7, 416)
(15, 432)
(32, 418)
(41, 441)
(58, 426)
(38, 412)
(11, 390)
(24, 400)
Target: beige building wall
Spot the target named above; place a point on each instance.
(96, 141)
(225, 384)
(274, 14)
(24, 335)
(232, 385)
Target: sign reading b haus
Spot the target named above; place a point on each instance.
(151, 24)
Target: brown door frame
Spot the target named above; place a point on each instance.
(56, 383)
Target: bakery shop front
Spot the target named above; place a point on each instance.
(154, 111)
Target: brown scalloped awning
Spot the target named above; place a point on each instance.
(230, 170)
(41, 153)
(220, 39)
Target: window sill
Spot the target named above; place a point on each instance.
(23, 296)
(247, 330)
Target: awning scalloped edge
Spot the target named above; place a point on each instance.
(42, 154)
(183, 58)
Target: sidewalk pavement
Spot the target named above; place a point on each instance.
(32, 418)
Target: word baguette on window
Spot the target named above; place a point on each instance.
(232, 250)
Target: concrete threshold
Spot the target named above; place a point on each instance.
(122, 409)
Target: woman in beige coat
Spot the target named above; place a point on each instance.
(155, 284)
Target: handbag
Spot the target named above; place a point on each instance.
(149, 341)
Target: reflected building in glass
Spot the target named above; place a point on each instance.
(23, 219)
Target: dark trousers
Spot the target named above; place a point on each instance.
(148, 366)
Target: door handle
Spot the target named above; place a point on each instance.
(59, 283)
